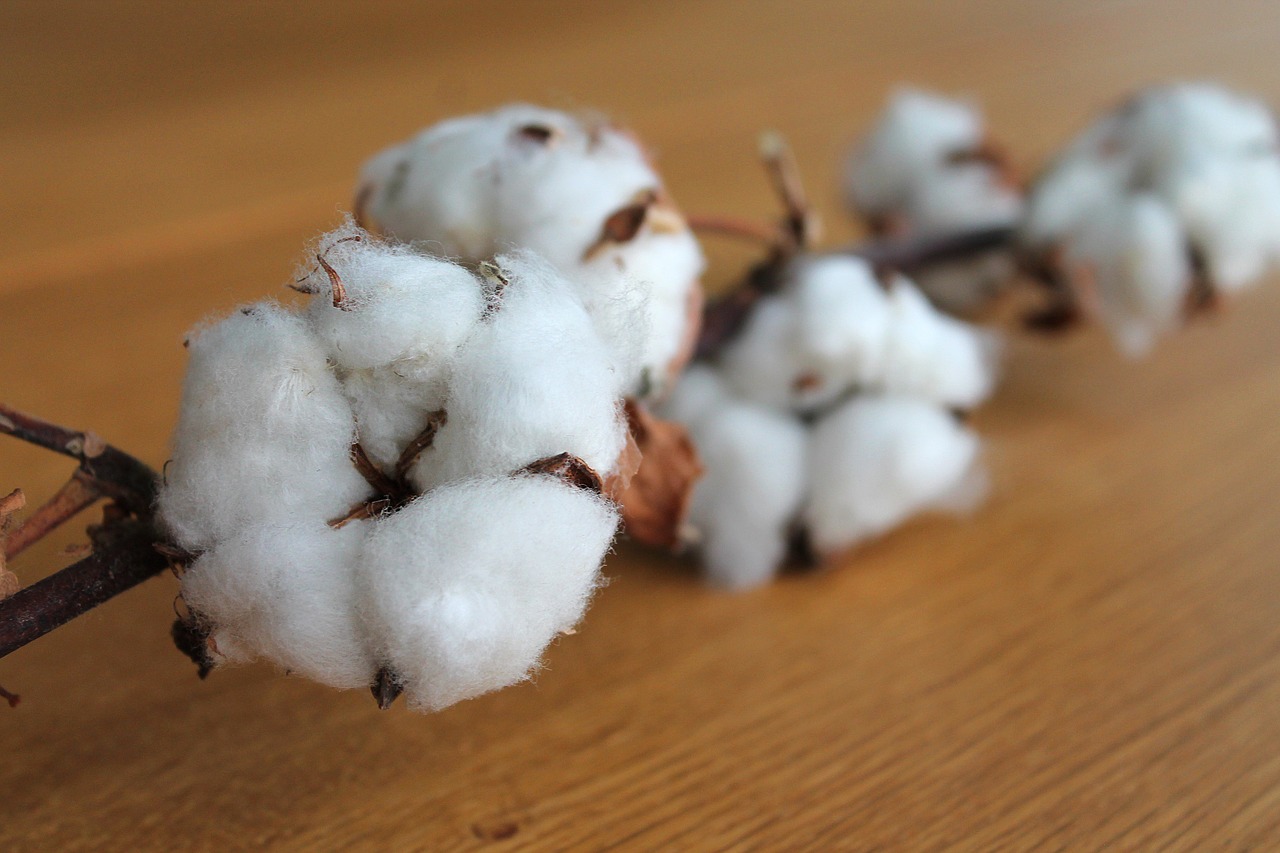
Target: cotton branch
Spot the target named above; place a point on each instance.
(124, 545)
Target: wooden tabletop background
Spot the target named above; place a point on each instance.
(1088, 662)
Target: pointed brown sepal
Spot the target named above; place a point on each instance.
(386, 688)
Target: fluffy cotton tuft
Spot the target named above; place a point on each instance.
(928, 167)
(836, 328)
(1189, 169)
(578, 191)
(876, 461)
(467, 585)
(532, 382)
(406, 375)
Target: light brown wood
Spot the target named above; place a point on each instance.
(1088, 662)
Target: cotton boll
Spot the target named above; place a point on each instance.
(876, 461)
(532, 382)
(263, 434)
(752, 489)
(962, 196)
(935, 357)
(1231, 209)
(916, 131)
(465, 587)
(398, 306)
(538, 179)
(1133, 252)
(285, 592)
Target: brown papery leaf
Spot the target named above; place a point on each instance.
(656, 503)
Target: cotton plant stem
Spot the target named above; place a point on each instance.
(124, 556)
(76, 495)
(119, 475)
(124, 546)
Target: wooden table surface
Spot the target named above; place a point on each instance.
(1088, 662)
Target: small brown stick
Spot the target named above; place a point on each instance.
(780, 164)
(568, 468)
(421, 442)
(124, 556)
(116, 473)
(335, 283)
(372, 474)
(362, 510)
(766, 233)
(76, 495)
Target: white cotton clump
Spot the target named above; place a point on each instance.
(286, 592)
(1209, 159)
(836, 328)
(400, 308)
(532, 382)
(467, 585)
(1134, 255)
(526, 177)
(743, 507)
(876, 461)
(263, 434)
(928, 168)
(916, 132)
(306, 554)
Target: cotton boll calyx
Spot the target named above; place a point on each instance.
(878, 460)
(1189, 164)
(579, 192)
(744, 505)
(263, 434)
(467, 585)
(533, 381)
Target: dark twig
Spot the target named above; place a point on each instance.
(76, 495)
(119, 475)
(421, 442)
(124, 556)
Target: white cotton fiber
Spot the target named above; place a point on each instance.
(1133, 253)
(700, 393)
(526, 177)
(400, 306)
(1190, 164)
(915, 133)
(934, 357)
(744, 505)
(876, 461)
(835, 328)
(465, 587)
(533, 381)
(263, 434)
(286, 592)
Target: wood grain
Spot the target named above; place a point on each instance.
(1091, 661)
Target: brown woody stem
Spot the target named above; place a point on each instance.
(76, 495)
(116, 473)
(124, 556)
